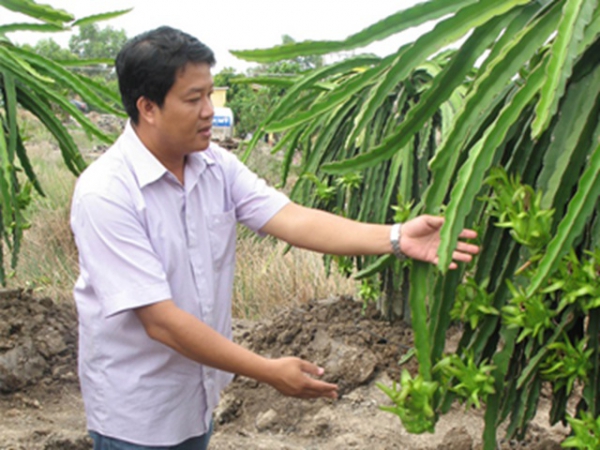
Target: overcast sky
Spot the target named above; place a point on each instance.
(236, 24)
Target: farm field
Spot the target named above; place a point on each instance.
(489, 120)
(303, 315)
(356, 349)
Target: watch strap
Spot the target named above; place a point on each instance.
(395, 236)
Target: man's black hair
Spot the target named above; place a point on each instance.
(148, 64)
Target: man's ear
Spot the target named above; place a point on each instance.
(147, 110)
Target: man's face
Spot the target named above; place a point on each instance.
(184, 122)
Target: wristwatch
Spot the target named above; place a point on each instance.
(395, 236)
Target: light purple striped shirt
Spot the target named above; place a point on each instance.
(143, 238)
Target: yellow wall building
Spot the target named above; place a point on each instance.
(219, 97)
(223, 118)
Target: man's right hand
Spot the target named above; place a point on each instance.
(294, 377)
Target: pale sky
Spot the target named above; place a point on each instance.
(236, 24)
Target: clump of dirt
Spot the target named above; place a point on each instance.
(352, 343)
(41, 407)
(37, 341)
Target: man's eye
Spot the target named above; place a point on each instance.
(194, 100)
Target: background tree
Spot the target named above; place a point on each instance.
(93, 42)
(249, 100)
(520, 161)
(96, 44)
(50, 49)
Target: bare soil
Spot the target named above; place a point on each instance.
(41, 408)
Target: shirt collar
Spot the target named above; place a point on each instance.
(147, 169)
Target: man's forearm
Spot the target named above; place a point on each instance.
(194, 339)
(327, 233)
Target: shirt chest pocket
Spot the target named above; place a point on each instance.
(222, 233)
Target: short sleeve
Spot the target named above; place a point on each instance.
(255, 201)
(116, 255)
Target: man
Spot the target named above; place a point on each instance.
(154, 220)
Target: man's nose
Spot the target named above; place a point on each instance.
(207, 109)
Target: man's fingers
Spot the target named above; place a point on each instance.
(465, 247)
(468, 234)
(314, 394)
(434, 222)
(320, 386)
(316, 388)
(462, 257)
(311, 369)
(321, 389)
(456, 256)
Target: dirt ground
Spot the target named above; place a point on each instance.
(40, 405)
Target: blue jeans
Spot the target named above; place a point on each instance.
(106, 443)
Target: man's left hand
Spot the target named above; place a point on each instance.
(421, 239)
